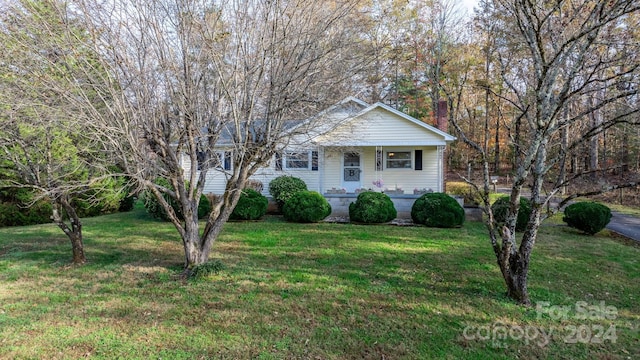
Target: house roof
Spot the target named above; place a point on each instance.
(353, 122)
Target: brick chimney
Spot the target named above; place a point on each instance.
(441, 116)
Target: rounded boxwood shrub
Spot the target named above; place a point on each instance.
(157, 211)
(501, 207)
(204, 207)
(283, 187)
(251, 206)
(305, 207)
(437, 210)
(373, 208)
(589, 217)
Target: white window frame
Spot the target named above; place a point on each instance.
(386, 160)
(221, 154)
(219, 165)
(288, 154)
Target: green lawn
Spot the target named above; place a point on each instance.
(319, 291)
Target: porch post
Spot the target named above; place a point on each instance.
(441, 185)
(321, 169)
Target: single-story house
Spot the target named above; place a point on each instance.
(357, 146)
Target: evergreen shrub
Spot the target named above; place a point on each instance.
(17, 208)
(373, 208)
(437, 210)
(501, 206)
(306, 207)
(156, 210)
(589, 217)
(284, 187)
(251, 206)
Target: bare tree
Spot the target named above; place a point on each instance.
(186, 78)
(561, 50)
(44, 146)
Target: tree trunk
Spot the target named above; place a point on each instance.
(513, 261)
(594, 143)
(77, 249)
(191, 243)
(564, 144)
(514, 264)
(496, 155)
(515, 277)
(516, 145)
(197, 248)
(73, 232)
(624, 156)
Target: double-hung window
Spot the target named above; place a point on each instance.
(220, 160)
(297, 160)
(398, 160)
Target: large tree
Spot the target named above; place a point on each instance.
(45, 146)
(186, 78)
(560, 54)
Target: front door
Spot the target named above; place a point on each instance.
(351, 171)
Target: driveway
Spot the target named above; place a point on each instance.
(626, 225)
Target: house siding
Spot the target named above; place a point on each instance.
(216, 180)
(376, 128)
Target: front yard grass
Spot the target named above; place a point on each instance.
(319, 291)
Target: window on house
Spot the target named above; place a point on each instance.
(304, 160)
(220, 160)
(201, 157)
(398, 160)
(225, 159)
(297, 160)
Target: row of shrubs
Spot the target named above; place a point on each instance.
(431, 209)
(297, 204)
(300, 205)
(589, 217)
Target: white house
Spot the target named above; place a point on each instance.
(357, 146)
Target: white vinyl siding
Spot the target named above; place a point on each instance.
(380, 127)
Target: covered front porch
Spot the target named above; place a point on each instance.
(398, 171)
